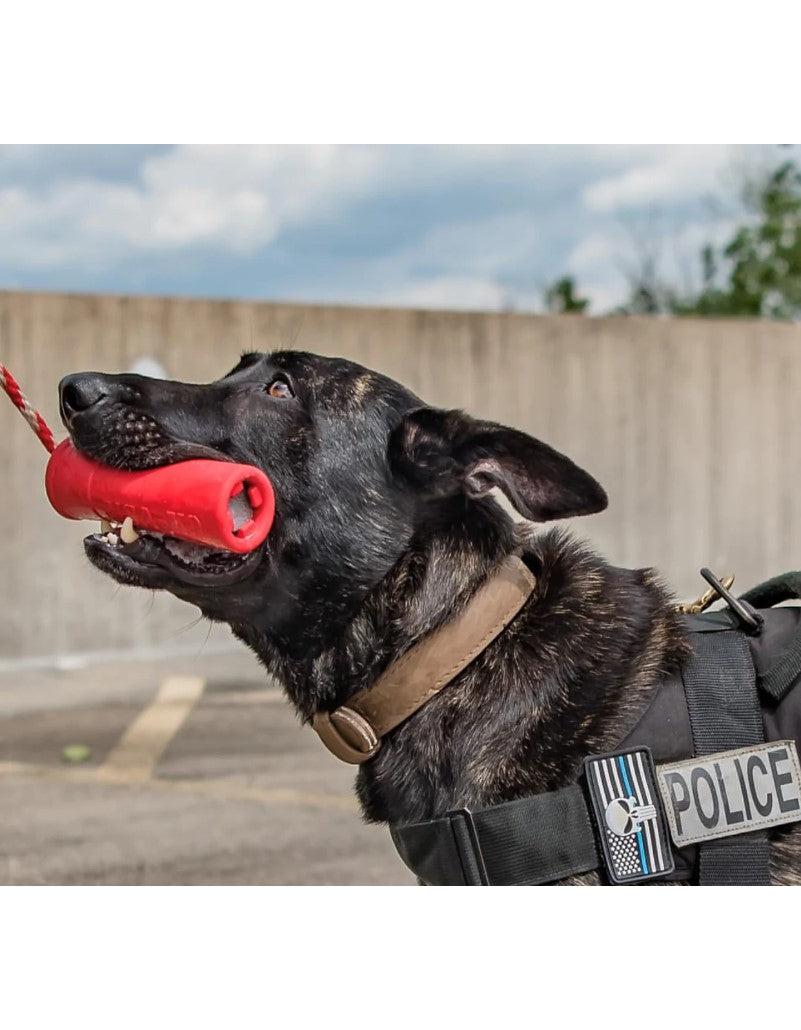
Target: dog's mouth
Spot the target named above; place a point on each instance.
(145, 558)
(140, 557)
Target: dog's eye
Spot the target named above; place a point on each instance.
(280, 388)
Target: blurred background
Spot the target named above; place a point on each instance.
(635, 306)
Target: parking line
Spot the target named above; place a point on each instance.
(140, 747)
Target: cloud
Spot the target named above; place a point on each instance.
(596, 264)
(604, 260)
(463, 293)
(83, 207)
(445, 226)
(484, 245)
(41, 163)
(471, 264)
(234, 198)
(673, 173)
(598, 250)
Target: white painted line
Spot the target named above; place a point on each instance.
(140, 747)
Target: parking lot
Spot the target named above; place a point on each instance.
(185, 771)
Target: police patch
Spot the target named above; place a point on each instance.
(628, 815)
(732, 792)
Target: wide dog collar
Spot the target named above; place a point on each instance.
(353, 732)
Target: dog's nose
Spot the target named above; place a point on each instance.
(79, 392)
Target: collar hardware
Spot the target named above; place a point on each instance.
(353, 732)
(347, 735)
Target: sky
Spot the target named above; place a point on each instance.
(465, 227)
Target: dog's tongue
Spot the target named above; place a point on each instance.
(216, 504)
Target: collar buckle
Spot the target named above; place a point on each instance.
(347, 735)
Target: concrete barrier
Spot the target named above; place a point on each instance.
(692, 426)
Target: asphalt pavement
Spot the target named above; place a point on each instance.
(184, 771)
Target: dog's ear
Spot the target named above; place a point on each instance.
(441, 453)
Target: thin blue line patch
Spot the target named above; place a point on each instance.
(630, 793)
(629, 816)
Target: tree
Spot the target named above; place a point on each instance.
(757, 274)
(762, 259)
(766, 258)
(561, 298)
(648, 294)
(711, 300)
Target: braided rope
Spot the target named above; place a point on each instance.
(31, 415)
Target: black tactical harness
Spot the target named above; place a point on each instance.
(737, 700)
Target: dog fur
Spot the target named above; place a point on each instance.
(386, 524)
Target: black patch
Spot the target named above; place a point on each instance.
(629, 817)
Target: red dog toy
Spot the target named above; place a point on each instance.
(215, 503)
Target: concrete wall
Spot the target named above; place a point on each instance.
(693, 427)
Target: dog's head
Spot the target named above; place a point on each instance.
(361, 468)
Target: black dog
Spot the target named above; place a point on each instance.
(386, 525)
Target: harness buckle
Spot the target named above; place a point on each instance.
(750, 620)
(468, 845)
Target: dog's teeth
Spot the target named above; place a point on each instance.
(127, 531)
(105, 526)
(113, 539)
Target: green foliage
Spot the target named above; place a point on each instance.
(757, 274)
(561, 298)
(762, 261)
(766, 258)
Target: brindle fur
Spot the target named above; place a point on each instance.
(385, 527)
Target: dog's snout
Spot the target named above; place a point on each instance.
(85, 390)
(79, 392)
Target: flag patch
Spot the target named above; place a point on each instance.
(628, 815)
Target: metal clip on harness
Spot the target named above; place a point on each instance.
(750, 620)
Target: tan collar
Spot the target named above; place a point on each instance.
(353, 731)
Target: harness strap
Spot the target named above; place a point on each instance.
(783, 673)
(786, 587)
(722, 700)
(532, 841)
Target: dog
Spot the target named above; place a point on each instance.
(387, 522)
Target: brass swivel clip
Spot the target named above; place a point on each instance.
(706, 599)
